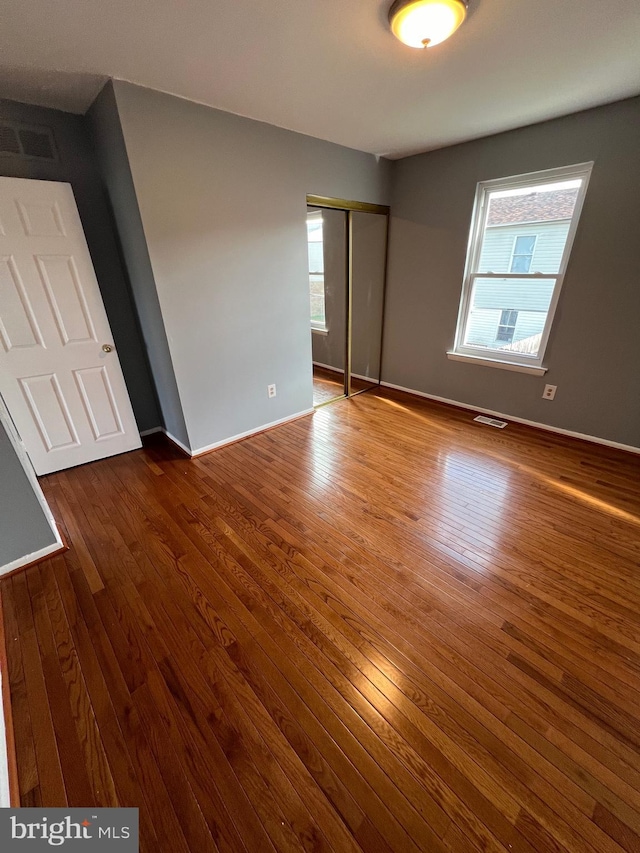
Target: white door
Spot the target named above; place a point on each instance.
(59, 372)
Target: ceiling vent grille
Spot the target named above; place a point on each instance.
(28, 142)
(482, 419)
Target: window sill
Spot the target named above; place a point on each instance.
(316, 330)
(494, 362)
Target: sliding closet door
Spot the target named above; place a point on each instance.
(368, 272)
(327, 234)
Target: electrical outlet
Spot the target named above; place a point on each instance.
(271, 390)
(549, 392)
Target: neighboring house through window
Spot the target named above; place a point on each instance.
(507, 327)
(521, 238)
(523, 248)
(315, 245)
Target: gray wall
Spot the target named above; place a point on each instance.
(593, 350)
(223, 205)
(24, 528)
(76, 165)
(114, 167)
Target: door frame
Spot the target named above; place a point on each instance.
(351, 207)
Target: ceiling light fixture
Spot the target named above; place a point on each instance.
(425, 23)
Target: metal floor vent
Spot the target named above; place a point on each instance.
(483, 419)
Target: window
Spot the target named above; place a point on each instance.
(519, 246)
(316, 269)
(507, 326)
(522, 253)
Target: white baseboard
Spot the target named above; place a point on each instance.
(177, 441)
(547, 427)
(250, 432)
(218, 444)
(328, 367)
(156, 430)
(35, 556)
(374, 382)
(337, 370)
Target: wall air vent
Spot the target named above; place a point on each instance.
(27, 142)
(482, 419)
(8, 140)
(36, 143)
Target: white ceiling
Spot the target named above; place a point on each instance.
(330, 68)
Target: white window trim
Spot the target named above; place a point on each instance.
(318, 328)
(493, 362)
(513, 249)
(495, 358)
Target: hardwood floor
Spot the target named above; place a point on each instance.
(329, 385)
(382, 627)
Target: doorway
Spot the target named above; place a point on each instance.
(347, 249)
(60, 375)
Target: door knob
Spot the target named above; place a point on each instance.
(106, 347)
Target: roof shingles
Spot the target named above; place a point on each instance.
(534, 207)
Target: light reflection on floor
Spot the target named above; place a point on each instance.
(550, 482)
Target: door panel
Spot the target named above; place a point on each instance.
(50, 411)
(66, 298)
(18, 324)
(99, 403)
(66, 395)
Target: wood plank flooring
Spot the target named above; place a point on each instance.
(329, 385)
(381, 628)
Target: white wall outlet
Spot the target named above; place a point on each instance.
(271, 390)
(549, 392)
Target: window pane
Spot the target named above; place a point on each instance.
(316, 258)
(316, 268)
(526, 229)
(316, 292)
(524, 245)
(521, 263)
(508, 315)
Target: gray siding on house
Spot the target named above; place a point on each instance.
(499, 240)
(519, 294)
(528, 325)
(530, 298)
(482, 328)
(593, 353)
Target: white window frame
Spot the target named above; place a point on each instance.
(500, 358)
(513, 249)
(320, 328)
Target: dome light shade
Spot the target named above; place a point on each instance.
(425, 23)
